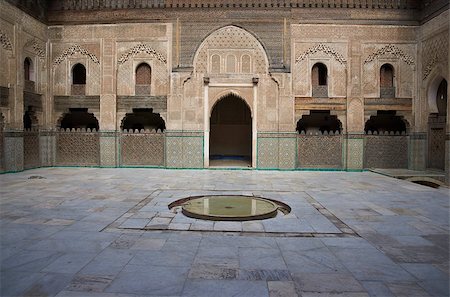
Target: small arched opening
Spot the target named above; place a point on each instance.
(143, 79)
(230, 141)
(28, 74)
(319, 121)
(79, 79)
(143, 119)
(387, 88)
(319, 79)
(436, 132)
(79, 118)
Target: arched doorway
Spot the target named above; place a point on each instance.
(436, 134)
(230, 141)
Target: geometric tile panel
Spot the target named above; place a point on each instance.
(2, 154)
(287, 152)
(13, 149)
(320, 151)
(142, 149)
(267, 152)
(31, 157)
(184, 151)
(277, 150)
(386, 151)
(355, 151)
(77, 148)
(192, 152)
(108, 149)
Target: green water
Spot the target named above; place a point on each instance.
(229, 206)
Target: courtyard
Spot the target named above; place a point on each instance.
(99, 232)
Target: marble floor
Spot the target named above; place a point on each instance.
(94, 232)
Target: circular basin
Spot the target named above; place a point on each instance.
(229, 208)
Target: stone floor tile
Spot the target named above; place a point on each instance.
(155, 244)
(149, 279)
(281, 289)
(377, 289)
(49, 285)
(327, 282)
(370, 264)
(17, 282)
(89, 283)
(227, 226)
(261, 258)
(69, 263)
(225, 288)
(407, 290)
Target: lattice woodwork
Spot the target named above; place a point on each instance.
(77, 148)
(142, 149)
(319, 151)
(386, 151)
(31, 158)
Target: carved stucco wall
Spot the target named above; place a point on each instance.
(332, 54)
(110, 54)
(65, 56)
(130, 55)
(400, 56)
(20, 36)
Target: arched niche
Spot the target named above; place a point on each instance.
(143, 119)
(319, 121)
(386, 121)
(78, 118)
(231, 40)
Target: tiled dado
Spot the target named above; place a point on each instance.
(277, 150)
(13, 151)
(355, 151)
(184, 149)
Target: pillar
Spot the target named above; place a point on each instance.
(108, 134)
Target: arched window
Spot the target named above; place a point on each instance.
(79, 74)
(78, 79)
(387, 89)
(215, 64)
(143, 79)
(319, 77)
(28, 69)
(28, 74)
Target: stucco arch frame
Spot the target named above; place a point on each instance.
(259, 43)
(432, 85)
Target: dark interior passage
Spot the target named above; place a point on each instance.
(231, 129)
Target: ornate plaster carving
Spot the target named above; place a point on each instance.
(139, 49)
(37, 48)
(5, 41)
(73, 50)
(322, 48)
(393, 50)
(434, 51)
